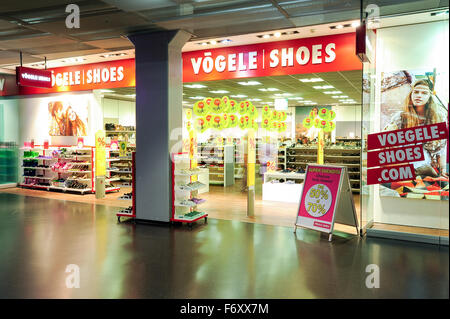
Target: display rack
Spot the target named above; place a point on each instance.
(219, 159)
(343, 155)
(59, 168)
(130, 212)
(185, 191)
(119, 169)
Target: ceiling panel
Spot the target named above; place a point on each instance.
(111, 43)
(12, 57)
(60, 48)
(35, 42)
(286, 84)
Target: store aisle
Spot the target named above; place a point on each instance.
(39, 237)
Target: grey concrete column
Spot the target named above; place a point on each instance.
(159, 94)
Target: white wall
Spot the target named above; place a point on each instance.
(422, 46)
(123, 111)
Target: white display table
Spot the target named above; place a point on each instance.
(282, 192)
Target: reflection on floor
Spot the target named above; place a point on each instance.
(39, 237)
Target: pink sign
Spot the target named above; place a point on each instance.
(319, 196)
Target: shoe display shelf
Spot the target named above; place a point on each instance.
(342, 154)
(130, 212)
(8, 164)
(219, 159)
(58, 168)
(119, 170)
(185, 191)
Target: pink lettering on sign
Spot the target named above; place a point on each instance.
(390, 174)
(323, 225)
(397, 155)
(412, 135)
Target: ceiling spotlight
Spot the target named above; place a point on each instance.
(239, 96)
(213, 42)
(339, 26)
(197, 97)
(204, 43)
(266, 36)
(355, 24)
(226, 41)
(277, 34)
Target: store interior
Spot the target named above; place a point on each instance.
(276, 203)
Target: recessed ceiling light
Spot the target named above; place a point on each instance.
(339, 26)
(277, 34)
(213, 42)
(332, 92)
(239, 96)
(204, 43)
(266, 36)
(355, 24)
(195, 86)
(106, 91)
(250, 83)
(323, 87)
(219, 92)
(226, 41)
(311, 80)
(272, 89)
(343, 96)
(197, 97)
(256, 100)
(131, 95)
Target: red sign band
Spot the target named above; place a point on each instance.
(390, 174)
(413, 135)
(33, 77)
(397, 155)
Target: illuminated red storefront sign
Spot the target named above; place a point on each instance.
(33, 77)
(93, 76)
(299, 56)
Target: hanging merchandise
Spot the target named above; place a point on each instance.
(316, 123)
(332, 125)
(274, 115)
(323, 124)
(312, 114)
(216, 122)
(188, 113)
(225, 120)
(200, 108)
(323, 113)
(201, 124)
(252, 111)
(233, 106)
(216, 105)
(281, 116)
(188, 125)
(253, 124)
(243, 108)
(242, 123)
(274, 126)
(284, 126)
(226, 106)
(265, 123)
(233, 120)
(208, 119)
(307, 122)
(266, 111)
(331, 115)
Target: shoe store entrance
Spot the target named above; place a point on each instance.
(247, 108)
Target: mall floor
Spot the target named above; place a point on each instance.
(39, 237)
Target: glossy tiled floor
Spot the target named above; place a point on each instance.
(39, 237)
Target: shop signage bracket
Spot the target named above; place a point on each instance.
(326, 198)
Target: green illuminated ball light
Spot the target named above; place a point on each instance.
(324, 120)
